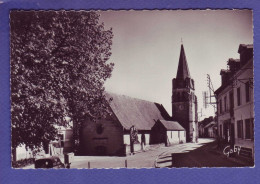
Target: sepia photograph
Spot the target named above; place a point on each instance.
(131, 89)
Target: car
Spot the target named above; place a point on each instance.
(48, 163)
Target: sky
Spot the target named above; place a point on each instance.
(146, 49)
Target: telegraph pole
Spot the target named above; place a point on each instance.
(209, 97)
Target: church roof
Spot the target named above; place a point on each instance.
(171, 125)
(183, 69)
(132, 111)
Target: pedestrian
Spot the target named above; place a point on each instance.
(133, 138)
(166, 140)
(143, 141)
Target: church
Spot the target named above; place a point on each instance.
(112, 135)
(184, 100)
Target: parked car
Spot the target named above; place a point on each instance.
(49, 162)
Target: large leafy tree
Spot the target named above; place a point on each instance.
(59, 63)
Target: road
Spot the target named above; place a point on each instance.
(199, 154)
(159, 157)
(203, 156)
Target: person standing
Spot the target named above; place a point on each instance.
(143, 141)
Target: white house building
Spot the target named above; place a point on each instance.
(235, 100)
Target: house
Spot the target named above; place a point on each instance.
(208, 127)
(210, 130)
(111, 136)
(202, 131)
(235, 101)
(168, 132)
(63, 144)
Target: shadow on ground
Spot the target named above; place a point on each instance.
(207, 156)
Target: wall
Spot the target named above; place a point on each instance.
(241, 112)
(68, 142)
(176, 137)
(185, 112)
(127, 138)
(246, 109)
(137, 146)
(22, 153)
(108, 142)
(158, 133)
(224, 116)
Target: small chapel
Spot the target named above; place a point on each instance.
(153, 124)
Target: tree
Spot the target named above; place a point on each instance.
(59, 63)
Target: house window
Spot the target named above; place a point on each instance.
(249, 129)
(247, 91)
(220, 106)
(231, 100)
(238, 97)
(240, 129)
(99, 129)
(225, 104)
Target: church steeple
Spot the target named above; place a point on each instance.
(184, 100)
(183, 69)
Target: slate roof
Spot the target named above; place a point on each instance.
(213, 123)
(183, 69)
(171, 125)
(230, 60)
(244, 46)
(132, 111)
(222, 71)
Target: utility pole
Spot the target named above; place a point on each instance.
(209, 99)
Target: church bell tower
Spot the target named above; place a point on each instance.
(184, 101)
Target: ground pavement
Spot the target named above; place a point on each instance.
(201, 154)
(158, 156)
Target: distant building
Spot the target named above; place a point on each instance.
(62, 144)
(184, 100)
(211, 129)
(208, 127)
(235, 101)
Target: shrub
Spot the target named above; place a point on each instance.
(22, 163)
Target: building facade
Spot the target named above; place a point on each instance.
(168, 132)
(235, 101)
(184, 100)
(111, 136)
(208, 127)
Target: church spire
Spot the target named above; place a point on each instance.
(183, 69)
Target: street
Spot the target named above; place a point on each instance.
(201, 154)
(192, 155)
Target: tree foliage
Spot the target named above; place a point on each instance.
(59, 63)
